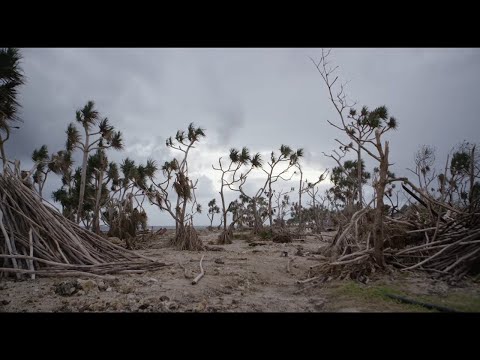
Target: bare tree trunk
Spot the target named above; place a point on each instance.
(359, 176)
(380, 192)
(472, 179)
(83, 178)
(270, 212)
(256, 221)
(300, 219)
(2, 152)
(96, 214)
(187, 238)
(224, 212)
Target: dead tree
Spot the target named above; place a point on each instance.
(303, 188)
(376, 123)
(282, 200)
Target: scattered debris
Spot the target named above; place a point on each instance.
(197, 279)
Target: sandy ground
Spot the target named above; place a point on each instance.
(239, 278)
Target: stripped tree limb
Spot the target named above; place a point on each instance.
(202, 272)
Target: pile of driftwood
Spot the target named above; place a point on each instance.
(436, 238)
(36, 239)
(143, 238)
(451, 247)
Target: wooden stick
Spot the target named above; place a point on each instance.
(432, 257)
(30, 262)
(421, 230)
(288, 264)
(461, 259)
(51, 273)
(185, 271)
(350, 261)
(197, 279)
(307, 280)
(7, 241)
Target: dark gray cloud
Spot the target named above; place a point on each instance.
(260, 98)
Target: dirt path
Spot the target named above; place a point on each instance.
(240, 278)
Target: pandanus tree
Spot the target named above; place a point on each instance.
(98, 135)
(345, 183)
(361, 125)
(11, 77)
(177, 177)
(276, 169)
(424, 167)
(282, 201)
(40, 158)
(236, 161)
(44, 164)
(464, 176)
(375, 124)
(62, 166)
(239, 179)
(212, 210)
(104, 174)
(304, 186)
(124, 211)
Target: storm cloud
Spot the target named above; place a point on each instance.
(260, 98)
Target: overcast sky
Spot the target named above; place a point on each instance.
(259, 98)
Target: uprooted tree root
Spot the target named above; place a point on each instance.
(225, 237)
(187, 239)
(282, 237)
(277, 235)
(35, 239)
(144, 239)
(449, 248)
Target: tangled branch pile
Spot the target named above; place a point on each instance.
(450, 248)
(447, 243)
(37, 240)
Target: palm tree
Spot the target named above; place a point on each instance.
(11, 77)
(288, 156)
(88, 117)
(177, 172)
(212, 210)
(40, 158)
(61, 165)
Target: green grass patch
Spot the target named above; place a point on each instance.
(376, 295)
